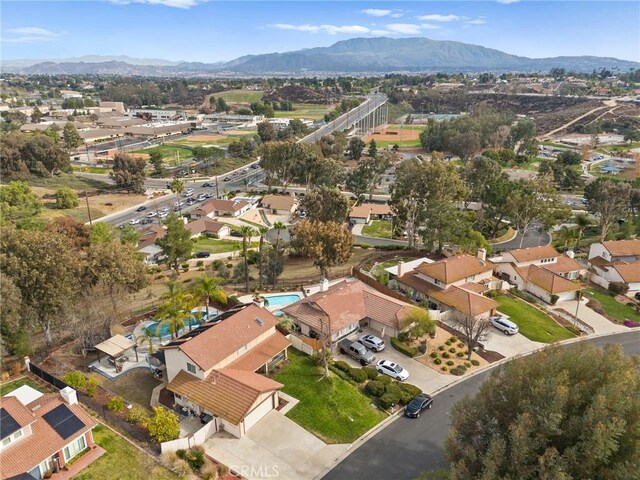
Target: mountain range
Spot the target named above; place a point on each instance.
(354, 56)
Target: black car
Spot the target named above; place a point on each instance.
(202, 254)
(417, 405)
(637, 296)
(205, 185)
(255, 166)
(141, 208)
(226, 179)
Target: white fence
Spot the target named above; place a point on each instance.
(193, 440)
(298, 344)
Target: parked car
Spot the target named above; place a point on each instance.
(356, 351)
(392, 369)
(226, 179)
(201, 198)
(151, 214)
(134, 221)
(417, 405)
(637, 296)
(146, 221)
(191, 201)
(202, 254)
(207, 184)
(208, 194)
(503, 324)
(164, 210)
(141, 208)
(163, 214)
(255, 166)
(372, 342)
(187, 194)
(302, 214)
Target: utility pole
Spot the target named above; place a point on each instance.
(575, 317)
(86, 198)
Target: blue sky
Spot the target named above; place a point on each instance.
(207, 31)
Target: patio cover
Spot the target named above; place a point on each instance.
(115, 345)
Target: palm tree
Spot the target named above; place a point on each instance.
(247, 232)
(177, 186)
(176, 308)
(566, 235)
(583, 221)
(147, 337)
(262, 231)
(279, 226)
(207, 289)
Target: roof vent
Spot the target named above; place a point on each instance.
(259, 321)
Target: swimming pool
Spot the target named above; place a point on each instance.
(161, 330)
(282, 299)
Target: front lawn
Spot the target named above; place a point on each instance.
(171, 152)
(332, 409)
(612, 307)
(378, 228)
(11, 386)
(122, 461)
(533, 324)
(213, 245)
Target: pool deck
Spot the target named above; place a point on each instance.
(104, 368)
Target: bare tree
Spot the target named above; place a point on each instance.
(475, 330)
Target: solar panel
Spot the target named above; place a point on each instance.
(63, 421)
(8, 425)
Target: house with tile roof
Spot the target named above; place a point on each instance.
(147, 243)
(615, 262)
(345, 307)
(279, 204)
(541, 271)
(216, 369)
(221, 208)
(207, 227)
(366, 212)
(454, 285)
(41, 433)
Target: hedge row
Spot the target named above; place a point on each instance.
(402, 348)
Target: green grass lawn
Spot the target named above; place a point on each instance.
(103, 171)
(235, 96)
(378, 228)
(332, 409)
(612, 307)
(311, 111)
(122, 461)
(168, 152)
(533, 324)
(213, 245)
(11, 386)
(68, 180)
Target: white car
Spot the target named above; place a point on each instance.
(392, 369)
(151, 214)
(134, 221)
(202, 197)
(372, 342)
(163, 214)
(503, 324)
(165, 210)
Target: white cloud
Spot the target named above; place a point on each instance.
(184, 4)
(396, 15)
(477, 21)
(405, 28)
(31, 35)
(330, 29)
(380, 32)
(377, 12)
(429, 26)
(434, 17)
(333, 29)
(507, 2)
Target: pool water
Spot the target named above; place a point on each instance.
(157, 329)
(282, 300)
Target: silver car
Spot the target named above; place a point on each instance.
(503, 324)
(372, 342)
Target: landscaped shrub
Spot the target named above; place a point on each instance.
(75, 380)
(422, 348)
(340, 365)
(357, 375)
(444, 369)
(475, 362)
(631, 323)
(181, 453)
(460, 345)
(452, 350)
(164, 425)
(115, 404)
(437, 361)
(371, 372)
(554, 299)
(138, 415)
(389, 399)
(448, 343)
(92, 385)
(185, 267)
(453, 339)
(434, 354)
(446, 355)
(467, 364)
(195, 459)
(402, 348)
(374, 388)
(450, 363)
(408, 391)
(618, 288)
(384, 379)
(459, 370)
(441, 348)
(403, 336)
(460, 354)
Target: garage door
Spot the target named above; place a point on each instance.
(257, 413)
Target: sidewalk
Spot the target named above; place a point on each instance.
(592, 318)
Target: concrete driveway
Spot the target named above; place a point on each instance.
(275, 447)
(592, 318)
(509, 345)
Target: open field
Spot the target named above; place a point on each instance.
(401, 135)
(66, 180)
(306, 110)
(168, 151)
(239, 96)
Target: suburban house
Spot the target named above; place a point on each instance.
(541, 271)
(147, 243)
(207, 227)
(41, 433)
(215, 368)
(219, 208)
(616, 262)
(453, 286)
(279, 204)
(344, 308)
(369, 211)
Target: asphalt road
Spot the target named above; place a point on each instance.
(533, 237)
(408, 447)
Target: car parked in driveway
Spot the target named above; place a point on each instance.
(202, 254)
(372, 342)
(392, 369)
(503, 324)
(417, 405)
(357, 351)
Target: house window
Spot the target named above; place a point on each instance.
(6, 441)
(17, 435)
(191, 368)
(437, 282)
(74, 448)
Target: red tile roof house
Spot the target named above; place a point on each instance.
(345, 307)
(279, 204)
(454, 286)
(370, 211)
(147, 244)
(542, 271)
(222, 208)
(615, 262)
(41, 436)
(216, 368)
(207, 227)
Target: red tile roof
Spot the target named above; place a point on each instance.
(366, 209)
(456, 268)
(623, 248)
(533, 253)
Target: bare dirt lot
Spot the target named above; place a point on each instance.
(206, 138)
(393, 134)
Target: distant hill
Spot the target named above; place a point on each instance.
(22, 63)
(357, 55)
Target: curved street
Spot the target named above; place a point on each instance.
(406, 447)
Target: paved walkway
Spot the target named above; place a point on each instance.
(80, 464)
(275, 447)
(592, 318)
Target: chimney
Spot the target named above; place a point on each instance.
(570, 253)
(324, 285)
(482, 254)
(401, 270)
(68, 394)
